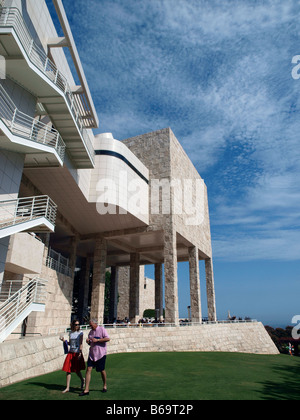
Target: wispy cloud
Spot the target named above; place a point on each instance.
(219, 74)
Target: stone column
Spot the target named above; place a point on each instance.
(99, 273)
(134, 288)
(210, 290)
(84, 283)
(89, 261)
(195, 285)
(159, 305)
(113, 303)
(73, 252)
(171, 277)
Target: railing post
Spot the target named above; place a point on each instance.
(32, 207)
(6, 16)
(18, 302)
(45, 135)
(10, 289)
(32, 129)
(56, 76)
(46, 64)
(35, 294)
(13, 119)
(30, 48)
(16, 210)
(57, 138)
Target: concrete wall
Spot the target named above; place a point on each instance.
(28, 358)
(25, 254)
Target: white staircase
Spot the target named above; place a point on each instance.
(16, 305)
(36, 214)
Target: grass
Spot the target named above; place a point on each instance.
(176, 376)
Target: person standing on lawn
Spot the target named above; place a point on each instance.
(74, 361)
(97, 339)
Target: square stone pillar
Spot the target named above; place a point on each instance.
(99, 274)
(196, 314)
(73, 253)
(159, 304)
(84, 284)
(134, 288)
(210, 290)
(171, 276)
(113, 303)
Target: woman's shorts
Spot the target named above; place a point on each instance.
(74, 363)
(99, 364)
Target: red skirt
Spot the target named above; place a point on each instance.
(74, 363)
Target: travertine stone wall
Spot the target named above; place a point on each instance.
(171, 276)
(98, 288)
(134, 290)
(179, 211)
(162, 154)
(58, 303)
(195, 285)
(146, 292)
(210, 290)
(22, 359)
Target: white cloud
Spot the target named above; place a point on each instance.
(280, 246)
(219, 74)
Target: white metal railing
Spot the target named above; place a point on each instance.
(25, 126)
(58, 266)
(22, 210)
(34, 292)
(9, 288)
(63, 329)
(11, 17)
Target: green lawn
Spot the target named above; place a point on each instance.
(176, 376)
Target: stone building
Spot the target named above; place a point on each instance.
(73, 203)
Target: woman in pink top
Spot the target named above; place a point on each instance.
(97, 340)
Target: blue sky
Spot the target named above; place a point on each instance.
(219, 74)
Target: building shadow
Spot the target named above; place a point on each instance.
(288, 388)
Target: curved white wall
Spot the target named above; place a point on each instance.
(119, 181)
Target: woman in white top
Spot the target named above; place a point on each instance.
(74, 361)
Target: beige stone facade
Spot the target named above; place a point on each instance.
(179, 216)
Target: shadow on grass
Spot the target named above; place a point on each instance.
(49, 387)
(57, 387)
(289, 386)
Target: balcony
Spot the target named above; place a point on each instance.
(25, 254)
(29, 214)
(24, 134)
(29, 65)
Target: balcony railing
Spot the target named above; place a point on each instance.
(12, 18)
(58, 262)
(23, 210)
(23, 125)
